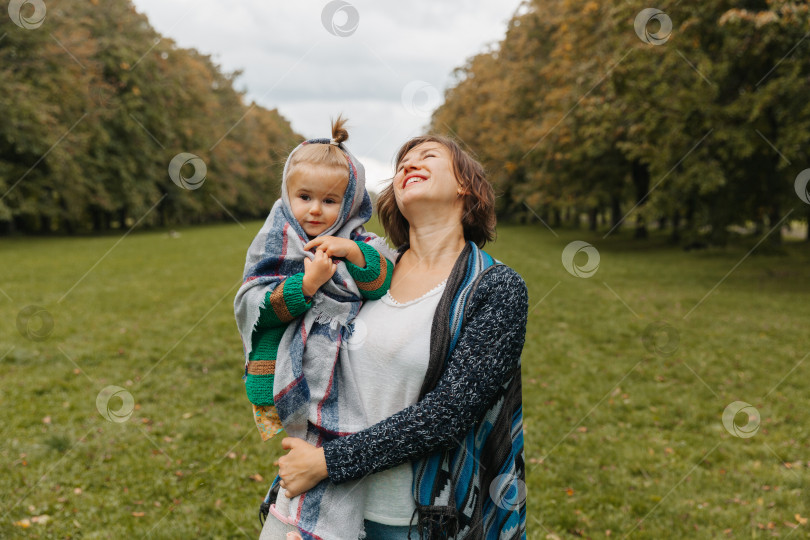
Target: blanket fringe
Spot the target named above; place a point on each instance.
(437, 522)
(324, 318)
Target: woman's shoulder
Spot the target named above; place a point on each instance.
(501, 284)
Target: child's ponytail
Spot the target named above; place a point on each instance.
(339, 133)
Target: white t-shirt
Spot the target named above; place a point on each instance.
(388, 357)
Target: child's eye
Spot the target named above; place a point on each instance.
(330, 201)
(304, 197)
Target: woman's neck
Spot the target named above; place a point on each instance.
(435, 245)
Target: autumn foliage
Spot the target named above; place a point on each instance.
(578, 118)
(94, 106)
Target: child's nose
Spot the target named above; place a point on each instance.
(315, 208)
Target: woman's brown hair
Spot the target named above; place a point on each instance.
(478, 219)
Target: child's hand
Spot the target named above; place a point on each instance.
(335, 246)
(317, 272)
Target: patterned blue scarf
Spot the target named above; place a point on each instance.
(476, 489)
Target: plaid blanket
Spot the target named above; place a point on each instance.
(312, 401)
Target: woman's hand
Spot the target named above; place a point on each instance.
(335, 246)
(317, 272)
(302, 468)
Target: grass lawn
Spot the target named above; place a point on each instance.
(626, 375)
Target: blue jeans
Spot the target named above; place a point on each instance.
(378, 531)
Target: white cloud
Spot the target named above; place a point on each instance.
(292, 63)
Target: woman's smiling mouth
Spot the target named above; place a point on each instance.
(412, 179)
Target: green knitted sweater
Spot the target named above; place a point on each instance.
(287, 302)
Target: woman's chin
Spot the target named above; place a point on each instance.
(419, 195)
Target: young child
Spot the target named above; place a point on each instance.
(295, 310)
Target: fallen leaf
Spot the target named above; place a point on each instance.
(256, 477)
(569, 492)
(24, 523)
(800, 519)
(46, 420)
(138, 514)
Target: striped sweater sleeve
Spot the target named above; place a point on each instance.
(281, 306)
(486, 355)
(374, 279)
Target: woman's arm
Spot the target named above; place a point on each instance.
(485, 357)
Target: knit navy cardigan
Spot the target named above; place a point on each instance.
(452, 401)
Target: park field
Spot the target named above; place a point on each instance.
(626, 376)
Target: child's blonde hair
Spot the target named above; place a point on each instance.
(324, 155)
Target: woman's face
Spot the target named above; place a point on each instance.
(426, 173)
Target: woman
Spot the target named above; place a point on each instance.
(446, 451)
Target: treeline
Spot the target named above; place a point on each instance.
(95, 104)
(695, 120)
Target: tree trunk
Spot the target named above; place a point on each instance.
(615, 210)
(775, 238)
(675, 237)
(641, 181)
(593, 216)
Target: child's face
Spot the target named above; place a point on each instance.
(316, 195)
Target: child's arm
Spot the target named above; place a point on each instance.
(283, 304)
(373, 278)
(370, 270)
(290, 299)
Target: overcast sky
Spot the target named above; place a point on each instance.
(384, 65)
